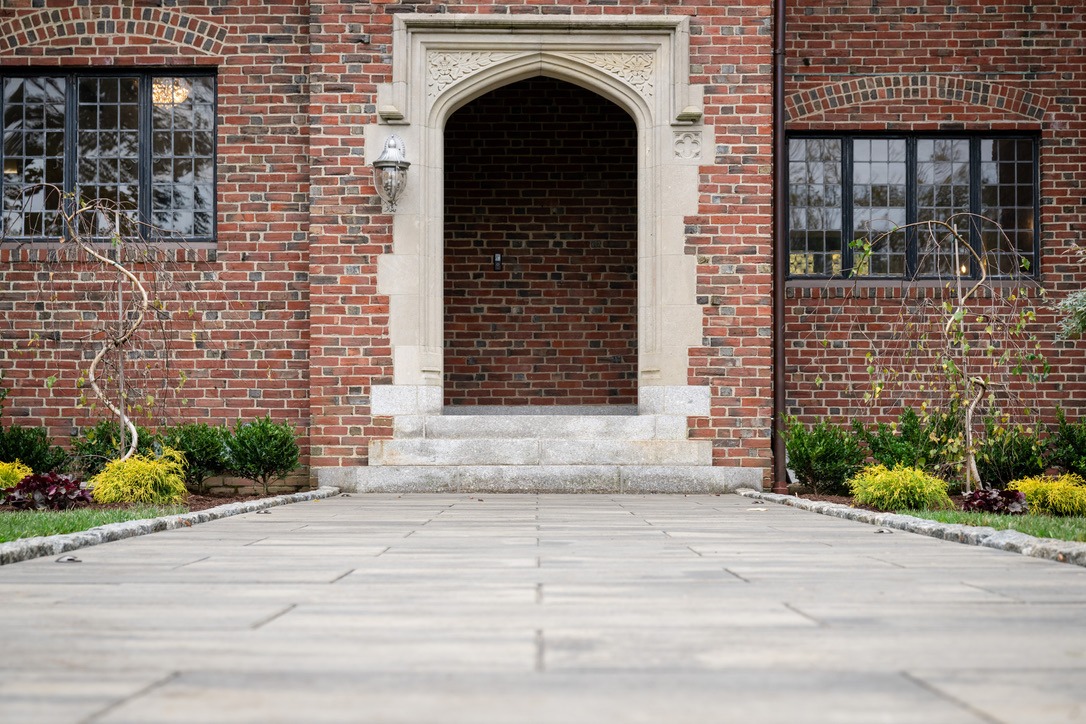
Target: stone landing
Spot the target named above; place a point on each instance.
(526, 450)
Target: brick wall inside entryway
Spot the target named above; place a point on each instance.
(544, 173)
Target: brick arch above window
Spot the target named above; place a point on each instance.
(807, 105)
(153, 23)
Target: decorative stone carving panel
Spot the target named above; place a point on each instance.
(638, 70)
(687, 145)
(445, 67)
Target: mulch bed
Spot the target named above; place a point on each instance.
(847, 500)
(203, 502)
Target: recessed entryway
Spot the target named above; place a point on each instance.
(540, 254)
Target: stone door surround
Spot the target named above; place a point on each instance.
(442, 62)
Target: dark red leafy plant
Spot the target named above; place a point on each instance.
(49, 491)
(1006, 502)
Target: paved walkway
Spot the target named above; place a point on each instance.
(541, 609)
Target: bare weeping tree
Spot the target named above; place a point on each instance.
(111, 270)
(974, 347)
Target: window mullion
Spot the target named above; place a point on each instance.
(975, 207)
(846, 207)
(70, 202)
(911, 213)
(1035, 271)
(143, 183)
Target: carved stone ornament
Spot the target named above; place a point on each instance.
(635, 69)
(687, 145)
(445, 67)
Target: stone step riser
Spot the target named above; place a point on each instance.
(427, 452)
(541, 427)
(541, 479)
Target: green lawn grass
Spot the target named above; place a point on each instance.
(1040, 526)
(29, 523)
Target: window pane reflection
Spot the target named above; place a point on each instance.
(878, 197)
(814, 235)
(182, 162)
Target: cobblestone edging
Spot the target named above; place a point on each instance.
(27, 548)
(1004, 540)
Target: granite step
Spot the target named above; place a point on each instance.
(541, 427)
(540, 479)
(528, 452)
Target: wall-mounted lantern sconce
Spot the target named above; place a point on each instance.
(390, 172)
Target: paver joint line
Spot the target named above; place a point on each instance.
(953, 700)
(1004, 540)
(27, 548)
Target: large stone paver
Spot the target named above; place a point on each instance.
(450, 608)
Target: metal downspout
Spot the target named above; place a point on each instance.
(780, 249)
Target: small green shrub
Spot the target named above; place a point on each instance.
(1009, 453)
(142, 479)
(1067, 446)
(909, 444)
(33, 447)
(823, 457)
(932, 441)
(204, 451)
(97, 445)
(261, 451)
(902, 488)
(1063, 495)
(12, 473)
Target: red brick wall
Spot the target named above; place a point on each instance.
(300, 227)
(250, 291)
(928, 66)
(545, 174)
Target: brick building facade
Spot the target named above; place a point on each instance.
(618, 156)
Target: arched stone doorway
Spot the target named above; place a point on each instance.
(540, 256)
(442, 63)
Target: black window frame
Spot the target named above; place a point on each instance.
(911, 139)
(146, 75)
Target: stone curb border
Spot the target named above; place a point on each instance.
(26, 548)
(1004, 540)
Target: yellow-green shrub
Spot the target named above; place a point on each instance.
(12, 473)
(902, 488)
(142, 479)
(1063, 495)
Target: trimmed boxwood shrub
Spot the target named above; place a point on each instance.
(823, 457)
(261, 451)
(204, 450)
(31, 446)
(1067, 446)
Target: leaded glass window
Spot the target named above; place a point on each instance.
(881, 188)
(140, 146)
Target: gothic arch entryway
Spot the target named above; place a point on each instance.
(640, 66)
(540, 250)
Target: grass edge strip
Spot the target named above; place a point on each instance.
(25, 549)
(1004, 540)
